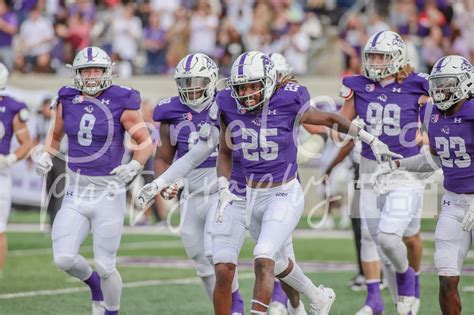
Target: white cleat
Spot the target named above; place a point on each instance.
(296, 311)
(416, 307)
(98, 308)
(277, 308)
(329, 296)
(366, 310)
(405, 304)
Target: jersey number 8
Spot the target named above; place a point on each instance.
(84, 136)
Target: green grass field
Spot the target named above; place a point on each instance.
(158, 279)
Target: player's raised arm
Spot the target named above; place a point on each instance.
(53, 139)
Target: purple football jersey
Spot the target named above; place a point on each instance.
(266, 139)
(185, 125)
(93, 127)
(9, 107)
(390, 113)
(238, 184)
(452, 138)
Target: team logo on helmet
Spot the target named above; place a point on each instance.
(397, 41)
(465, 66)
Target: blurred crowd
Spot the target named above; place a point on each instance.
(430, 28)
(151, 36)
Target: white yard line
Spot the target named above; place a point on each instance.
(468, 289)
(136, 284)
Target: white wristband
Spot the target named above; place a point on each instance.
(366, 137)
(222, 183)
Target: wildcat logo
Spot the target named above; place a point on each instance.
(466, 66)
(397, 41)
(382, 97)
(89, 109)
(78, 99)
(445, 130)
(267, 64)
(188, 116)
(257, 122)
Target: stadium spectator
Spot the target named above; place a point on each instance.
(35, 40)
(178, 39)
(203, 31)
(8, 28)
(296, 44)
(155, 44)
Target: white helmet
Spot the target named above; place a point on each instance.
(250, 67)
(196, 79)
(3, 76)
(281, 66)
(393, 49)
(92, 57)
(451, 80)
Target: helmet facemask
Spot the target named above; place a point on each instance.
(377, 71)
(194, 91)
(445, 90)
(244, 102)
(93, 85)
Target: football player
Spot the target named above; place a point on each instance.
(387, 98)
(13, 117)
(450, 126)
(258, 117)
(182, 118)
(95, 115)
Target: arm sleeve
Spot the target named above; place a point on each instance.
(421, 163)
(197, 155)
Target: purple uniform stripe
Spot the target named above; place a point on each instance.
(374, 42)
(440, 64)
(188, 62)
(89, 54)
(241, 64)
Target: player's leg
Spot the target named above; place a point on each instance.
(227, 240)
(5, 206)
(399, 210)
(107, 226)
(414, 245)
(279, 297)
(369, 206)
(193, 210)
(70, 229)
(451, 247)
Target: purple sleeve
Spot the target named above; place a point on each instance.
(304, 98)
(11, 19)
(134, 100)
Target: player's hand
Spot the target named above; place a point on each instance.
(126, 172)
(44, 164)
(468, 220)
(170, 191)
(381, 151)
(148, 192)
(7, 160)
(225, 197)
(379, 177)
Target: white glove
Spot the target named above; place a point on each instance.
(7, 160)
(126, 172)
(379, 148)
(148, 192)
(378, 178)
(468, 220)
(170, 191)
(225, 197)
(44, 164)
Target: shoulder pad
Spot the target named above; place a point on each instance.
(24, 114)
(68, 91)
(346, 92)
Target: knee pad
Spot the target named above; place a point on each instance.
(225, 256)
(264, 250)
(446, 263)
(105, 267)
(204, 268)
(281, 263)
(368, 251)
(389, 243)
(193, 244)
(64, 262)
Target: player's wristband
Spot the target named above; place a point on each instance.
(222, 183)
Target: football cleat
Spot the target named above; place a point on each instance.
(328, 297)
